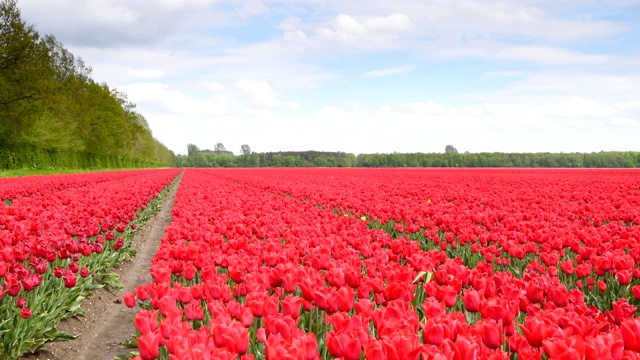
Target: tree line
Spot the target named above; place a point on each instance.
(220, 157)
(603, 159)
(54, 115)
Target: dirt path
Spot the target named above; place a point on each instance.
(109, 323)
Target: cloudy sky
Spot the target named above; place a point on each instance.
(366, 76)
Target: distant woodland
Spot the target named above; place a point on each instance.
(220, 157)
(54, 115)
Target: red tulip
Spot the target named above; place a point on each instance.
(567, 267)
(149, 345)
(535, 293)
(184, 294)
(13, 286)
(624, 277)
(491, 333)
(466, 348)
(129, 299)
(537, 330)
(433, 333)
(291, 306)
(142, 293)
(604, 346)
(246, 317)
(630, 330)
(635, 291)
(471, 299)
(344, 345)
(25, 313)
(193, 311)
(69, 279)
(559, 295)
(570, 348)
(375, 351)
(448, 295)
(146, 321)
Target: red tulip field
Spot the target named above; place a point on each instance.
(59, 237)
(338, 263)
(396, 264)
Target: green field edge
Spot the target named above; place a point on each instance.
(11, 173)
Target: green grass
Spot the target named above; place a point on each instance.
(51, 171)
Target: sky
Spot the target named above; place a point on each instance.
(365, 76)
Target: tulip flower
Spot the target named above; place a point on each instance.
(25, 313)
(490, 332)
(149, 345)
(630, 330)
(471, 300)
(129, 299)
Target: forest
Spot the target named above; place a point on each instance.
(220, 157)
(54, 115)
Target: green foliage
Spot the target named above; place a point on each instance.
(209, 158)
(533, 160)
(53, 115)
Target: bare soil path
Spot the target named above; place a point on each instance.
(109, 322)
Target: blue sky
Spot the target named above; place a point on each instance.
(403, 76)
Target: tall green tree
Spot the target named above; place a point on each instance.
(245, 150)
(219, 147)
(450, 149)
(25, 74)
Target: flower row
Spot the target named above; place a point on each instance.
(59, 236)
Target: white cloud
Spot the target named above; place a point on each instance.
(607, 88)
(469, 19)
(574, 107)
(505, 73)
(513, 31)
(260, 92)
(362, 32)
(428, 108)
(631, 104)
(250, 8)
(214, 86)
(118, 23)
(146, 73)
(428, 127)
(172, 100)
(625, 122)
(389, 71)
(548, 55)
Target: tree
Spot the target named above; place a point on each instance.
(449, 149)
(25, 74)
(192, 150)
(245, 149)
(219, 148)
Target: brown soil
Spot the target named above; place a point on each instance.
(109, 322)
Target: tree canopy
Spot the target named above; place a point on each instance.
(449, 149)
